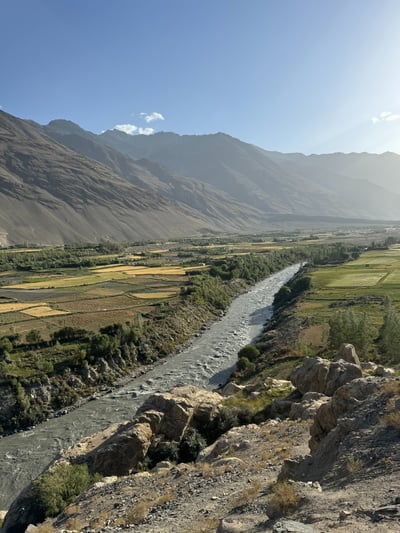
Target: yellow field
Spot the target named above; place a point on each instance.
(15, 306)
(153, 295)
(43, 311)
(140, 270)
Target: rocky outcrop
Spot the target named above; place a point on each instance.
(323, 376)
(119, 449)
(308, 406)
(344, 400)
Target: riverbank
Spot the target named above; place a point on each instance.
(206, 363)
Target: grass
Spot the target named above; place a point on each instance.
(354, 465)
(284, 499)
(248, 495)
(362, 284)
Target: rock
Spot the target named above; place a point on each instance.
(242, 524)
(292, 526)
(228, 442)
(311, 376)
(342, 401)
(369, 366)
(309, 405)
(181, 407)
(233, 462)
(230, 388)
(386, 372)
(120, 454)
(323, 376)
(348, 353)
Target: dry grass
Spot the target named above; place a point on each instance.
(43, 311)
(392, 419)
(46, 527)
(139, 511)
(14, 306)
(284, 499)
(154, 295)
(207, 525)
(99, 521)
(248, 495)
(391, 388)
(354, 465)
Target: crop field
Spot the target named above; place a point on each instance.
(361, 284)
(123, 285)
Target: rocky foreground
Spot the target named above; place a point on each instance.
(253, 478)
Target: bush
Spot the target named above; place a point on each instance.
(250, 352)
(191, 445)
(284, 499)
(56, 489)
(225, 420)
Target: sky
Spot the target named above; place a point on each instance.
(311, 76)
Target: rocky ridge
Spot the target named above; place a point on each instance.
(252, 475)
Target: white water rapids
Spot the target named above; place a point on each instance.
(206, 362)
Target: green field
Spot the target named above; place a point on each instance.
(360, 285)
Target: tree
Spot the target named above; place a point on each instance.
(33, 336)
(390, 331)
(349, 327)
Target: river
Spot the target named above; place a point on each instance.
(206, 362)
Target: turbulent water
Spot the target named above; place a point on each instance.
(207, 362)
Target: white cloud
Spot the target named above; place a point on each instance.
(146, 131)
(385, 116)
(130, 129)
(151, 117)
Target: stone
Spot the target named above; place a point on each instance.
(120, 454)
(348, 353)
(292, 526)
(386, 372)
(344, 399)
(309, 405)
(230, 388)
(242, 524)
(323, 376)
(181, 407)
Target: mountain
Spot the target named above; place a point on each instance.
(60, 183)
(220, 208)
(51, 194)
(273, 182)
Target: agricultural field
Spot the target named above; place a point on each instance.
(360, 285)
(120, 285)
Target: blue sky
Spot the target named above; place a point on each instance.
(289, 75)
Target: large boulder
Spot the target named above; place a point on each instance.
(181, 407)
(308, 406)
(344, 400)
(348, 353)
(323, 376)
(123, 451)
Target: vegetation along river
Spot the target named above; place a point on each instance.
(206, 362)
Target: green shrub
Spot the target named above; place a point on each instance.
(58, 488)
(191, 445)
(250, 352)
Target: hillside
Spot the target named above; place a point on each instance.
(273, 182)
(51, 194)
(218, 206)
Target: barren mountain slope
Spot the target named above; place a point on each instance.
(50, 194)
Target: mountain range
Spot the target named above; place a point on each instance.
(60, 183)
